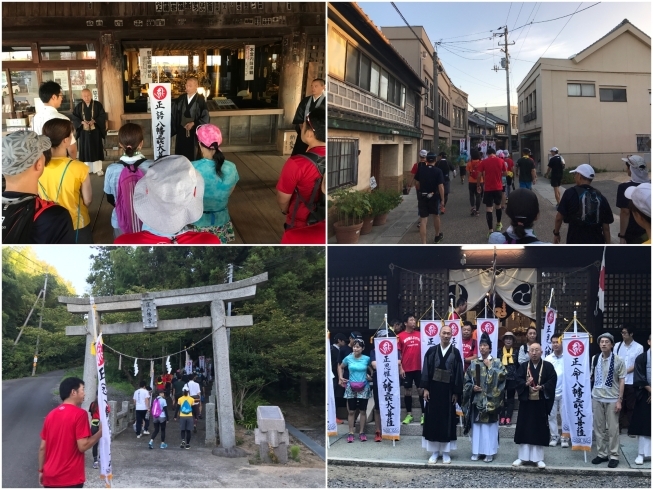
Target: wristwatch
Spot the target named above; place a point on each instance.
(621, 236)
(556, 233)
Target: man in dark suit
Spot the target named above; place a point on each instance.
(305, 107)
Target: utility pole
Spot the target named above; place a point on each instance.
(505, 65)
(436, 101)
(28, 316)
(38, 337)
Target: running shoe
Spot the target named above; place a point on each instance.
(163, 445)
(408, 419)
(439, 238)
(350, 437)
(502, 421)
(150, 445)
(96, 465)
(377, 436)
(182, 445)
(498, 227)
(187, 446)
(146, 432)
(507, 420)
(362, 437)
(138, 436)
(473, 211)
(339, 421)
(421, 420)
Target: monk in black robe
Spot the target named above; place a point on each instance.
(640, 423)
(536, 386)
(442, 380)
(305, 107)
(188, 112)
(90, 121)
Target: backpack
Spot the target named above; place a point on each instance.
(595, 361)
(589, 202)
(186, 408)
(526, 239)
(156, 408)
(18, 216)
(316, 209)
(129, 176)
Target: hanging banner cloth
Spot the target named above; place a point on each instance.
(430, 335)
(515, 286)
(548, 329)
(491, 327)
(387, 379)
(105, 441)
(576, 391)
(332, 426)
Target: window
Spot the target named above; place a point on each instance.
(16, 53)
(644, 143)
(351, 74)
(428, 91)
(374, 80)
(337, 54)
(581, 90)
(77, 52)
(612, 94)
(365, 72)
(383, 89)
(501, 129)
(343, 162)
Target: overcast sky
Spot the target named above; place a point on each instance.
(452, 22)
(72, 262)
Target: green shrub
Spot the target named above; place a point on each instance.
(351, 205)
(249, 411)
(294, 453)
(384, 201)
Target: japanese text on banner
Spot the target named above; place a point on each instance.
(456, 333)
(387, 379)
(576, 391)
(429, 335)
(161, 103)
(105, 441)
(489, 326)
(548, 329)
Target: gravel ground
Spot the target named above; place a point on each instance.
(357, 477)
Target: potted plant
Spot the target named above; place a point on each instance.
(351, 206)
(382, 202)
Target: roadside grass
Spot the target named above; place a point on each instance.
(123, 386)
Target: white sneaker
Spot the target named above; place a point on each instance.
(639, 459)
(434, 458)
(488, 459)
(446, 459)
(517, 462)
(474, 457)
(564, 443)
(138, 436)
(553, 442)
(146, 432)
(541, 465)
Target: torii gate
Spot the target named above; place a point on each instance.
(215, 295)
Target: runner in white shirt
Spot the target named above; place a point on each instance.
(628, 350)
(195, 391)
(555, 358)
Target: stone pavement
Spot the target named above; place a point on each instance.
(459, 227)
(409, 452)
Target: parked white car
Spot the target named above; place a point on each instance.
(14, 88)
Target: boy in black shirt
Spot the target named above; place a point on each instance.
(445, 167)
(429, 183)
(555, 168)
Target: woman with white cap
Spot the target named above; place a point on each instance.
(640, 207)
(220, 178)
(629, 230)
(167, 199)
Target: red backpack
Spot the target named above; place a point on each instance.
(127, 219)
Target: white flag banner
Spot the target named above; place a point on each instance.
(576, 391)
(456, 333)
(332, 425)
(387, 379)
(429, 334)
(161, 107)
(547, 330)
(104, 444)
(188, 368)
(489, 326)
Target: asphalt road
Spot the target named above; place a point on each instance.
(25, 403)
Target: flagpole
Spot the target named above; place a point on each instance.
(550, 299)
(575, 323)
(432, 310)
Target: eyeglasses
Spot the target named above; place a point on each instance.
(308, 120)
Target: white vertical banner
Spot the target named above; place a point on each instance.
(576, 391)
(249, 61)
(548, 329)
(490, 326)
(387, 380)
(429, 335)
(189, 364)
(332, 425)
(161, 107)
(202, 362)
(456, 333)
(145, 62)
(104, 444)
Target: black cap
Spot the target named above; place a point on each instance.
(485, 339)
(430, 157)
(356, 335)
(526, 151)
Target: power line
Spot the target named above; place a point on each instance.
(508, 16)
(518, 14)
(561, 30)
(20, 253)
(464, 57)
(557, 18)
(465, 35)
(529, 29)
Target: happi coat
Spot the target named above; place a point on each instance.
(182, 111)
(533, 421)
(483, 407)
(440, 415)
(89, 143)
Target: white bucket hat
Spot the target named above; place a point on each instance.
(170, 195)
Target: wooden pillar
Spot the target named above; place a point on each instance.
(112, 78)
(292, 75)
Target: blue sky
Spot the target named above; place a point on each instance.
(451, 22)
(71, 261)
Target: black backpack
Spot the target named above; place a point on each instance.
(589, 203)
(18, 216)
(316, 207)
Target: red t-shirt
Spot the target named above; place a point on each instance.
(145, 237)
(64, 463)
(510, 163)
(410, 346)
(493, 166)
(415, 167)
(300, 173)
(468, 351)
